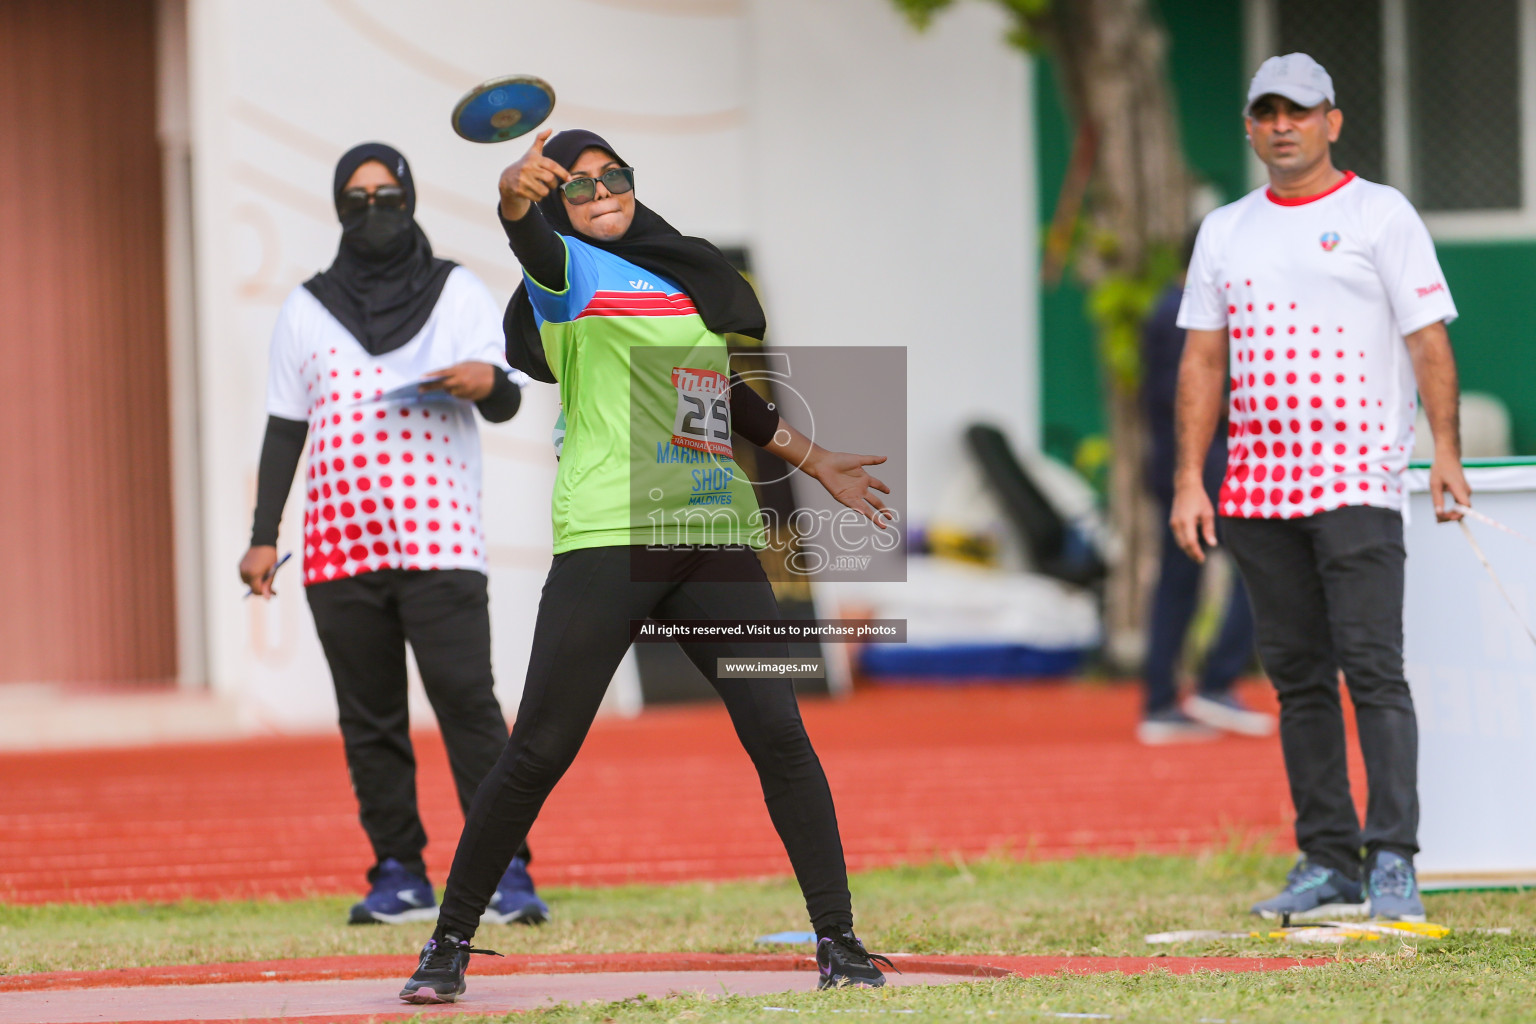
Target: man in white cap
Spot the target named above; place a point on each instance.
(1320, 300)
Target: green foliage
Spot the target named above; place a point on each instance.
(1118, 305)
(1027, 17)
(1091, 458)
(920, 12)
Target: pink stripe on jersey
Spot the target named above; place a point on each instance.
(615, 303)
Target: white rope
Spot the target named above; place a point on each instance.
(1466, 531)
(1472, 513)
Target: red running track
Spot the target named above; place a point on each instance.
(1044, 772)
(346, 968)
(335, 989)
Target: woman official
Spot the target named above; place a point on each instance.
(627, 315)
(393, 547)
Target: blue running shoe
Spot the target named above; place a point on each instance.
(515, 901)
(1313, 892)
(1393, 889)
(398, 897)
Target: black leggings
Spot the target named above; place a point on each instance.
(582, 633)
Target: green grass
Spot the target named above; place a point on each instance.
(1088, 906)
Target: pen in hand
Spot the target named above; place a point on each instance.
(271, 574)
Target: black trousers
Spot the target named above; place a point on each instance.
(1327, 595)
(364, 623)
(583, 630)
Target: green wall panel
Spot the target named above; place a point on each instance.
(1209, 85)
(1492, 284)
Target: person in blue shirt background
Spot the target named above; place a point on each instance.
(1213, 706)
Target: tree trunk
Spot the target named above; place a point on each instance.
(1135, 521)
(1112, 58)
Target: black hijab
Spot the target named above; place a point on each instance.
(385, 281)
(725, 301)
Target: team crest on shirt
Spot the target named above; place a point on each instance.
(1329, 241)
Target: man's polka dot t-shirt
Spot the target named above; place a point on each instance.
(1316, 296)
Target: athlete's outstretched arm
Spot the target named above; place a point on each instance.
(1202, 380)
(841, 473)
(1435, 367)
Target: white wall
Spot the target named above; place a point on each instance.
(825, 136)
(895, 199)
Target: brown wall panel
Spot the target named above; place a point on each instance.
(86, 575)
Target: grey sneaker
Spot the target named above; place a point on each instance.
(1224, 711)
(1172, 726)
(1313, 892)
(1394, 889)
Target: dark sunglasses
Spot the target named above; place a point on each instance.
(617, 181)
(385, 197)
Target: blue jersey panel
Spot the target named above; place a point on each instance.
(590, 272)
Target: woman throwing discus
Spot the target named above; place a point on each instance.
(627, 316)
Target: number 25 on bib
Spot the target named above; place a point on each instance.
(703, 420)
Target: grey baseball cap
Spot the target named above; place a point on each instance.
(1295, 76)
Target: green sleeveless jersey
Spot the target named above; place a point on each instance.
(644, 390)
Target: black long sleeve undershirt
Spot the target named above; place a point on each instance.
(503, 401)
(750, 415)
(539, 248)
(281, 450)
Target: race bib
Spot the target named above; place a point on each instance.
(703, 420)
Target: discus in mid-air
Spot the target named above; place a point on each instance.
(503, 108)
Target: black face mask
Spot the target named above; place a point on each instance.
(378, 234)
(385, 281)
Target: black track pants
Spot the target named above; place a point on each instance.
(1327, 596)
(364, 623)
(582, 633)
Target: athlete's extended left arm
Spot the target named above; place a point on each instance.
(1434, 365)
(841, 473)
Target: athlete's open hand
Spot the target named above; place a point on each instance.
(469, 381)
(845, 478)
(530, 179)
(1193, 520)
(841, 473)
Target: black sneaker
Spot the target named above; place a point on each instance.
(844, 962)
(439, 978)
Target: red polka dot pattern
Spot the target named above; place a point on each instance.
(350, 479)
(1284, 466)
